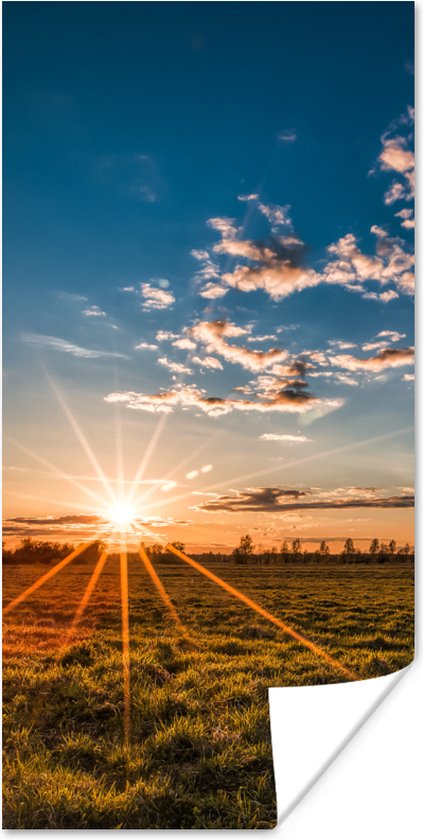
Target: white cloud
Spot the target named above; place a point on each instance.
(144, 345)
(214, 334)
(226, 227)
(276, 214)
(212, 291)
(174, 367)
(155, 298)
(199, 255)
(94, 312)
(285, 438)
(208, 362)
(166, 335)
(391, 335)
(184, 344)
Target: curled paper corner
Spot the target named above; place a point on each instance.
(312, 725)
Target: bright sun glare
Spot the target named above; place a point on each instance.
(122, 515)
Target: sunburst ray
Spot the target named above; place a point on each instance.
(316, 649)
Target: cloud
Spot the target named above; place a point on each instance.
(213, 335)
(63, 346)
(184, 344)
(277, 215)
(397, 156)
(279, 500)
(72, 298)
(226, 227)
(144, 345)
(212, 291)
(242, 248)
(391, 335)
(188, 396)
(408, 377)
(166, 335)
(208, 362)
(154, 299)
(147, 194)
(390, 357)
(392, 263)
(199, 255)
(72, 519)
(94, 312)
(249, 197)
(175, 367)
(278, 277)
(287, 135)
(285, 438)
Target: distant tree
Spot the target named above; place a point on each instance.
(296, 548)
(180, 546)
(284, 547)
(392, 547)
(404, 550)
(324, 549)
(349, 549)
(155, 551)
(244, 550)
(374, 547)
(383, 553)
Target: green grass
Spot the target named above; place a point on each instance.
(200, 753)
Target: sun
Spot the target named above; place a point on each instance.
(122, 514)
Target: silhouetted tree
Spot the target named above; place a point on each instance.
(349, 549)
(296, 549)
(392, 547)
(324, 549)
(374, 547)
(244, 550)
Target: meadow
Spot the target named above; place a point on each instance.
(200, 752)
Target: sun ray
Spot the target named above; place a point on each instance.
(147, 455)
(256, 607)
(86, 596)
(56, 470)
(143, 497)
(125, 645)
(328, 453)
(160, 588)
(81, 437)
(47, 576)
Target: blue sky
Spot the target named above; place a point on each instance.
(128, 127)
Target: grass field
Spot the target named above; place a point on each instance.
(200, 752)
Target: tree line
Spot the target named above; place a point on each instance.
(37, 551)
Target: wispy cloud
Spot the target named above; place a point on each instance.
(285, 438)
(94, 312)
(287, 135)
(63, 346)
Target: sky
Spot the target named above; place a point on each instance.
(208, 271)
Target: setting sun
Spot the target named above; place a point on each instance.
(121, 515)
